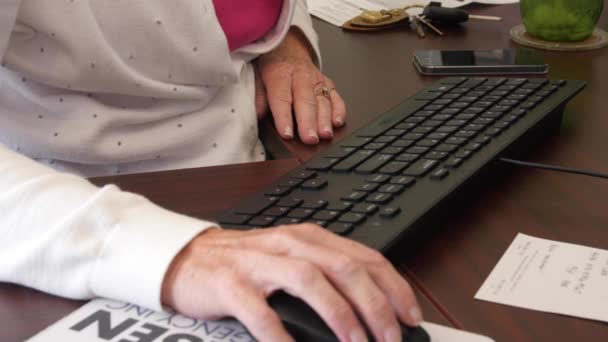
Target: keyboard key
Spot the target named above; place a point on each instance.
(355, 142)
(482, 140)
(340, 228)
(417, 150)
(447, 129)
(403, 180)
(456, 141)
(379, 198)
(339, 206)
(431, 123)
(287, 220)
(378, 179)
(472, 147)
(262, 221)
(455, 122)
(407, 157)
(423, 130)
(493, 132)
(439, 174)
(385, 139)
(314, 184)
(445, 148)
(465, 134)
(353, 218)
(393, 168)
(301, 213)
(314, 204)
(412, 136)
(427, 142)
(355, 196)
(322, 164)
(339, 152)
(291, 182)
(304, 174)
(392, 150)
(276, 211)
(414, 119)
(390, 212)
(441, 88)
(289, 202)
(365, 208)
(391, 188)
(402, 143)
(473, 127)
(424, 113)
(464, 154)
(374, 146)
(277, 191)
(453, 162)
(326, 215)
(367, 187)
(435, 155)
(420, 168)
(437, 136)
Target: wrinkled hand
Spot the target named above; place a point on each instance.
(231, 273)
(287, 77)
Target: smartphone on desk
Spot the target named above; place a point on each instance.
(479, 62)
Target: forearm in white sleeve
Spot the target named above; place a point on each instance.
(8, 15)
(63, 235)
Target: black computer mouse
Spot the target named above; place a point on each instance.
(305, 325)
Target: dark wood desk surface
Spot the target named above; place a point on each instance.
(374, 73)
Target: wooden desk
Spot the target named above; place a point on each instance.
(374, 73)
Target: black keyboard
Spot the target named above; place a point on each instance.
(375, 184)
(378, 185)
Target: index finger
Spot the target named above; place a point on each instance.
(278, 88)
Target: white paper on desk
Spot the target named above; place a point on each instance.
(106, 320)
(337, 12)
(550, 276)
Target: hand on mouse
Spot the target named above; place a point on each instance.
(232, 273)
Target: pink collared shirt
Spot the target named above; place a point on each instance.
(245, 21)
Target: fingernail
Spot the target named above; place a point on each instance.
(358, 335)
(313, 134)
(288, 132)
(393, 335)
(416, 315)
(339, 121)
(329, 131)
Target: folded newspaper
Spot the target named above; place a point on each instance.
(106, 320)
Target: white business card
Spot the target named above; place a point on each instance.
(550, 276)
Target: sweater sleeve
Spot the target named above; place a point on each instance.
(65, 236)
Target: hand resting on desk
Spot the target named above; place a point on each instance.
(232, 273)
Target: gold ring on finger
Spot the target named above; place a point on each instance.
(324, 91)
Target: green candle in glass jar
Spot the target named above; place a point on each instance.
(561, 20)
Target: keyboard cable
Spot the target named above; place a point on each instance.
(554, 168)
